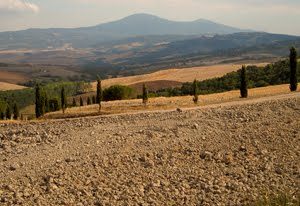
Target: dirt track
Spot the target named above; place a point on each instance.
(225, 154)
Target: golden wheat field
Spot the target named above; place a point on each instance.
(166, 103)
(7, 86)
(176, 75)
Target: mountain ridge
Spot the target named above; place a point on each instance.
(130, 26)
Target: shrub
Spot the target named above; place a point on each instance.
(54, 105)
(118, 92)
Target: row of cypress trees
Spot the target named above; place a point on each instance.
(244, 81)
(42, 104)
(9, 113)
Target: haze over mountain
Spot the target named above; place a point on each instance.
(131, 26)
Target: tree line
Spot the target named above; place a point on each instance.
(271, 74)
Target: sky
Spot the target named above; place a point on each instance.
(276, 16)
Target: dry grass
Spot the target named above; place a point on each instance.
(165, 103)
(176, 75)
(7, 86)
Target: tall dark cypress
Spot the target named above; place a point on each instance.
(63, 100)
(46, 103)
(94, 100)
(244, 85)
(293, 69)
(89, 101)
(195, 91)
(74, 103)
(2, 115)
(38, 101)
(16, 112)
(99, 93)
(81, 101)
(145, 94)
(8, 112)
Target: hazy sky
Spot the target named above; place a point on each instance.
(278, 16)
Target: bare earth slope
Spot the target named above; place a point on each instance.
(225, 154)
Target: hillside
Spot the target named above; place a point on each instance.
(222, 155)
(174, 77)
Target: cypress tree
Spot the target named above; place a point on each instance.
(16, 112)
(46, 103)
(243, 86)
(293, 70)
(2, 115)
(63, 100)
(145, 94)
(81, 101)
(195, 91)
(99, 93)
(38, 101)
(89, 101)
(74, 103)
(43, 100)
(94, 100)
(8, 112)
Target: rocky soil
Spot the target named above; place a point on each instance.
(223, 155)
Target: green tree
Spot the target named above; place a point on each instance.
(38, 101)
(81, 101)
(74, 103)
(145, 94)
(8, 112)
(243, 83)
(293, 69)
(99, 93)
(195, 91)
(94, 100)
(16, 112)
(63, 100)
(89, 101)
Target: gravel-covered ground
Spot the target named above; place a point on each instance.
(218, 155)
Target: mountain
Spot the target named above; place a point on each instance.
(131, 26)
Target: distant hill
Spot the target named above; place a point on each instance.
(230, 45)
(131, 26)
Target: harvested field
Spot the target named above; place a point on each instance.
(7, 86)
(176, 75)
(13, 77)
(228, 154)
